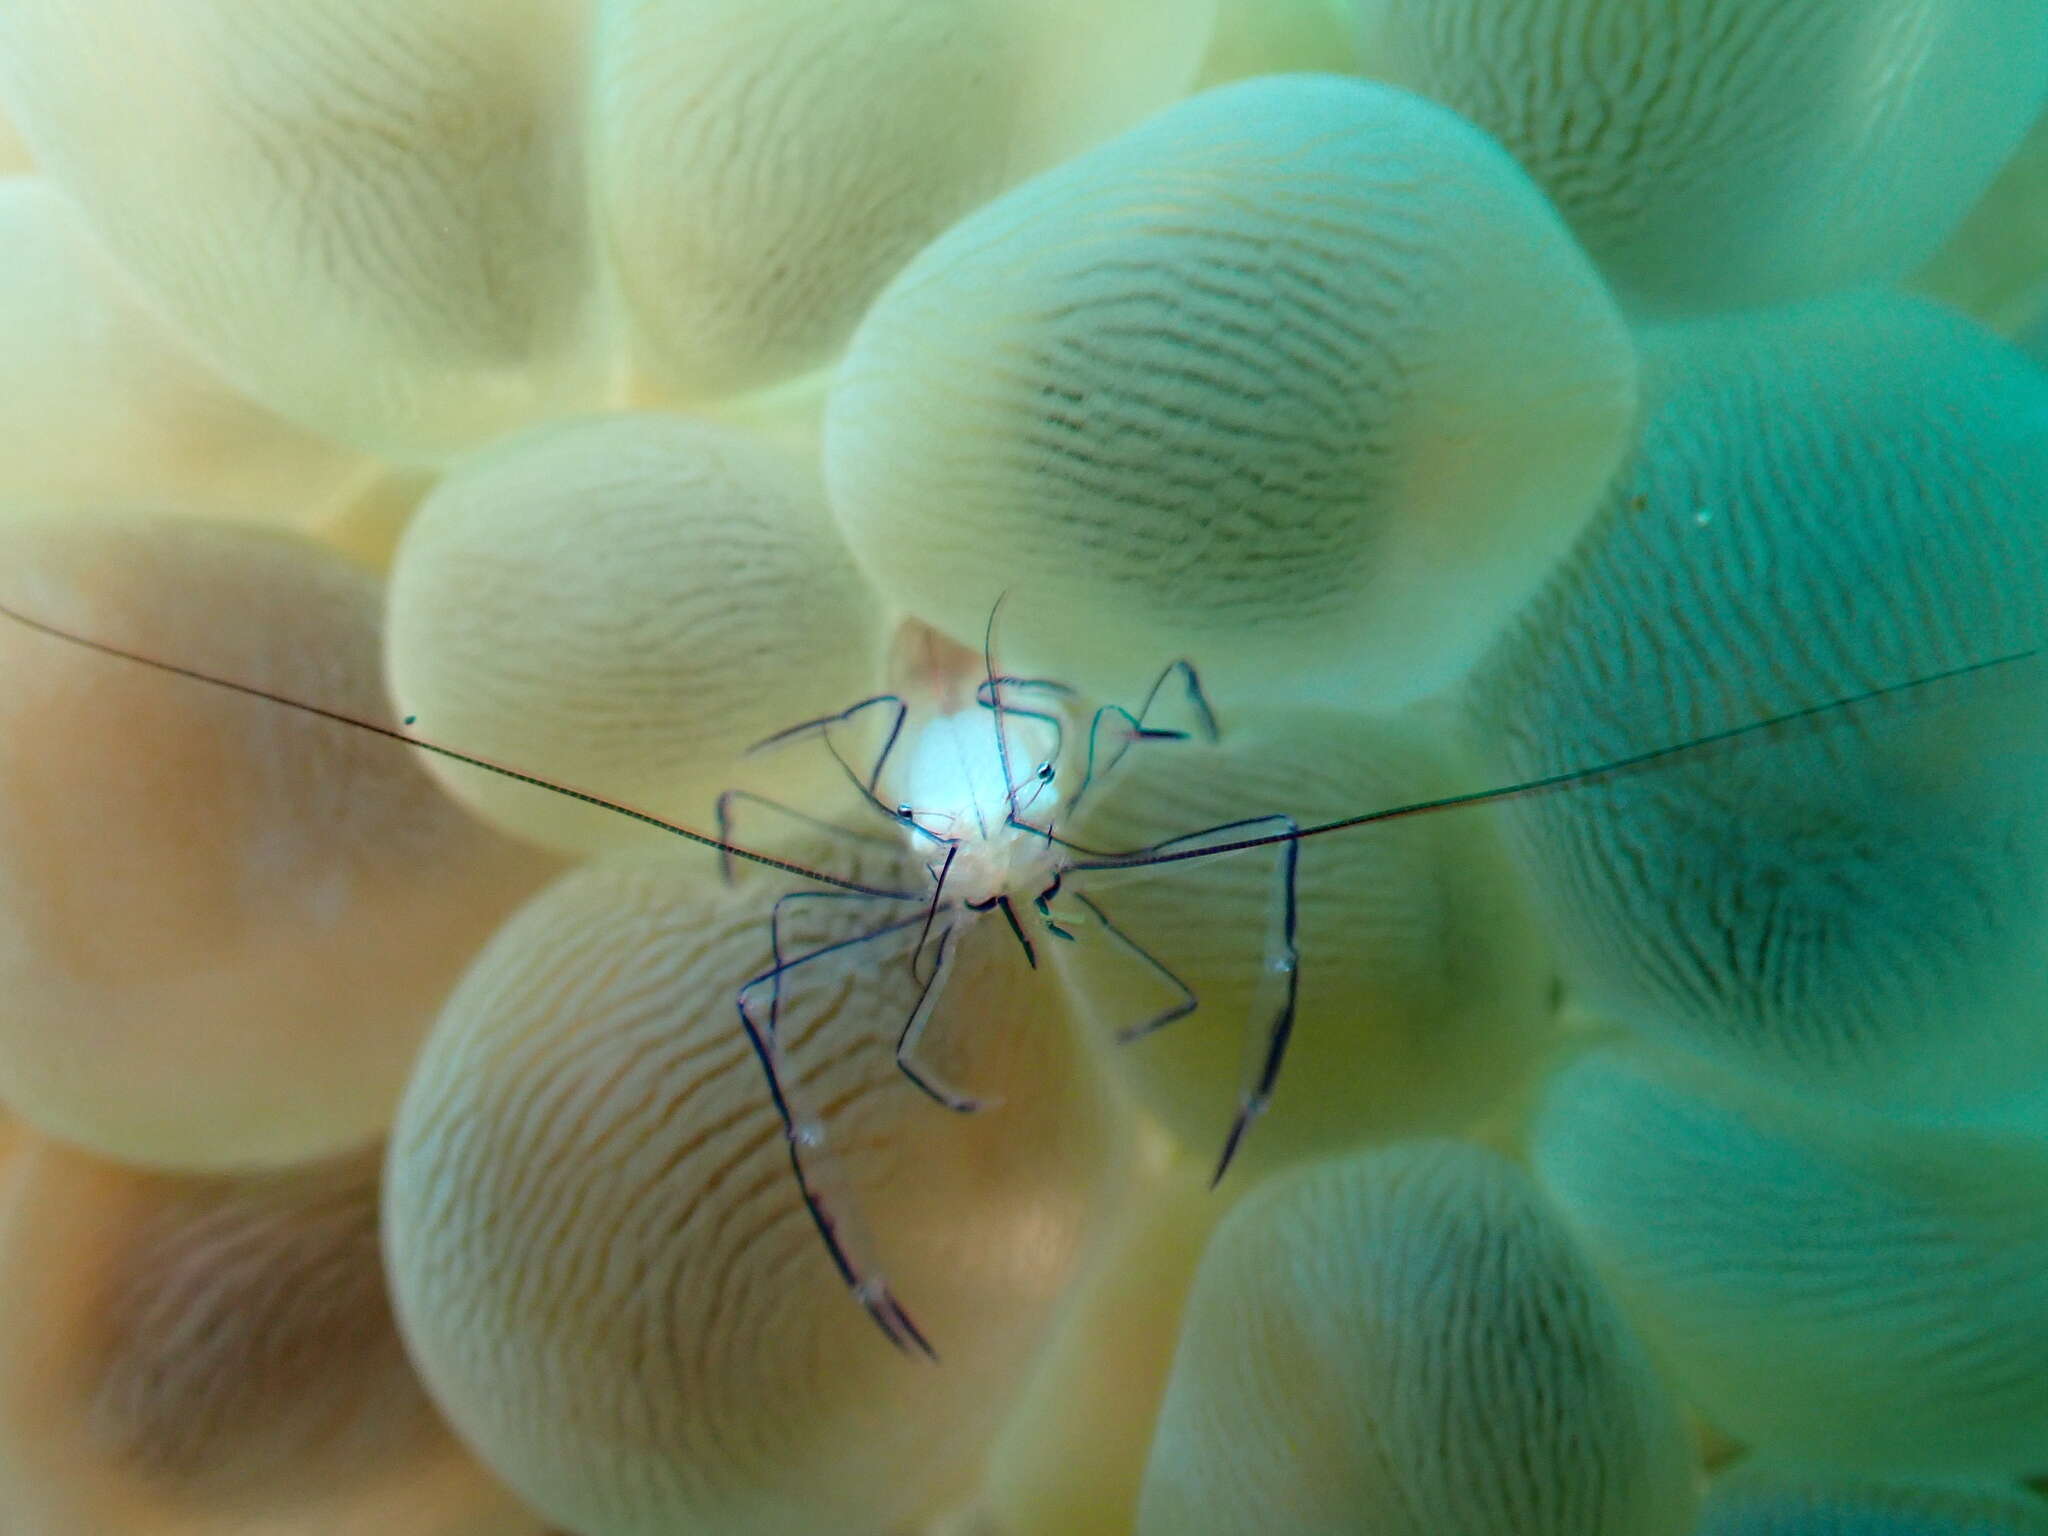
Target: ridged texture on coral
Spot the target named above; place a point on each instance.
(1406, 1343)
(1424, 989)
(368, 216)
(105, 406)
(1827, 1283)
(762, 170)
(628, 603)
(1723, 152)
(185, 1355)
(1830, 499)
(1302, 377)
(599, 1254)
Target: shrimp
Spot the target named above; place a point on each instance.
(978, 794)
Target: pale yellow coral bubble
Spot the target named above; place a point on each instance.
(600, 1257)
(1072, 1456)
(368, 216)
(101, 402)
(1301, 377)
(14, 156)
(1273, 37)
(225, 925)
(1424, 989)
(214, 1357)
(1995, 265)
(628, 603)
(1406, 1343)
(1827, 1283)
(761, 170)
(1714, 153)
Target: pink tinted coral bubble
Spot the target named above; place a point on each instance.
(226, 925)
(186, 1356)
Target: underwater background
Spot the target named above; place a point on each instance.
(1024, 767)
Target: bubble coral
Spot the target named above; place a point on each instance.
(1826, 1281)
(601, 1260)
(627, 602)
(1425, 990)
(1302, 376)
(1768, 1500)
(185, 1355)
(1304, 379)
(1404, 1343)
(1845, 495)
(755, 188)
(226, 927)
(1717, 153)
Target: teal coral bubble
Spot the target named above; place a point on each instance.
(1828, 499)
(1827, 1283)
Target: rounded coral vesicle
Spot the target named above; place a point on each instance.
(1424, 988)
(1407, 1343)
(185, 1354)
(1302, 378)
(1830, 499)
(224, 926)
(599, 1252)
(369, 216)
(762, 170)
(1722, 153)
(627, 603)
(1827, 1283)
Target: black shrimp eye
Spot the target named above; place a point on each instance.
(1045, 772)
(903, 813)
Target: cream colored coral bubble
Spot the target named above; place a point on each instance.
(1071, 1457)
(761, 170)
(223, 926)
(214, 1357)
(1301, 378)
(101, 402)
(369, 216)
(1405, 1343)
(628, 603)
(1831, 499)
(1720, 153)
(1424, 988)
(1826, 1282)
(599, 1253)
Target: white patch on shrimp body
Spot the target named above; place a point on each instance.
(954, 787)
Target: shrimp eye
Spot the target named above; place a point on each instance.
(1045, 772)
(903, 813)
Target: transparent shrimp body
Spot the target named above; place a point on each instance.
(968, 785)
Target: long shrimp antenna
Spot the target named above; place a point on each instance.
(1569, 778)
(469, 759)
(988, 667)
